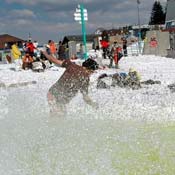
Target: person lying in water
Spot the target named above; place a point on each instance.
(75, 78)
(132, 80)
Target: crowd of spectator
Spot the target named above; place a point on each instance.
(26, 57)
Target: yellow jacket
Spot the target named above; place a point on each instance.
(136, 74)
(15, 52)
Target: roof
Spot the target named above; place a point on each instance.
(170, 14)
(5, 38)
(79, 38)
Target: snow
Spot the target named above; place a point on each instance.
(150, 103)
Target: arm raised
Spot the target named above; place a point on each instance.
(52, 59)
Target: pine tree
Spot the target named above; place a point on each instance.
(157, 14)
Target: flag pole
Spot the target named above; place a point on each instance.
(139, 33)
(83, 30)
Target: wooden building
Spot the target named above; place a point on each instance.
(5, 45)
(7, 40)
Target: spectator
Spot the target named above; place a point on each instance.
(105, 47)
(61, 51)
(35, 43)
(125, 52)
(53, 49)
(16, 55)
(30, 48)
(27, 62)
(48, 48)
(99, 57)
(24, 47)
(81, 51)
(116, 54)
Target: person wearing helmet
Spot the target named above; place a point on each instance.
(133, 79)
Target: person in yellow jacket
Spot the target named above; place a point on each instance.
(16, 55)
(133, 79)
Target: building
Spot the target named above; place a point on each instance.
(5, 43)
(170, 15)
(7, 40)
(73, 42)
(170, 26)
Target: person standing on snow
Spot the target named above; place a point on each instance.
(35, 43)
(105, 43)
(53, 49)
(99, 57)
(125, 47)
(105, 47)
(16, 55)
(30, 48)
(24, 47)
(116, 54)
(61, 51)
(81, 51)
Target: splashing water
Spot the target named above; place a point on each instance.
(115, 139)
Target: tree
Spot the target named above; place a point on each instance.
(157, 14)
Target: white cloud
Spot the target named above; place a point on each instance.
(34, 2)
(24, 13)
(163, 1)
(55, 17)
(30, 2)
(23, 22)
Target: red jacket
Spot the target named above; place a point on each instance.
(30, 47)
(104, 44)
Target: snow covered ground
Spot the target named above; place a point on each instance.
(153, 102)
(132, 132)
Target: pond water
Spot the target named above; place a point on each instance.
(85, 142)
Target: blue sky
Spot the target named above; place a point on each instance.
(53, 19)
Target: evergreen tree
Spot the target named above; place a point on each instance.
(157, 14)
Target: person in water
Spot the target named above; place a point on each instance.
(75, 79)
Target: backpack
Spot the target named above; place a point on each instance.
(90, 64)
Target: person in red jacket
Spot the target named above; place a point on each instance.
(116, 54)
(105, 46)
(30, 48)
